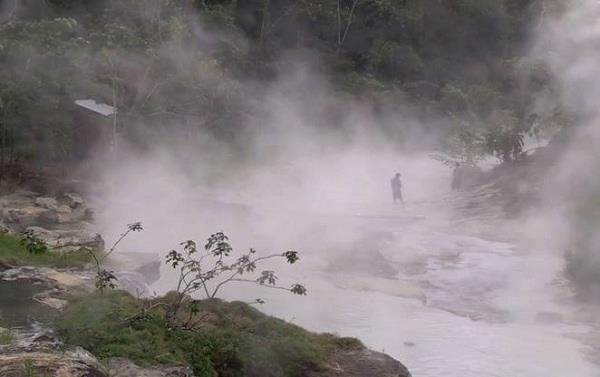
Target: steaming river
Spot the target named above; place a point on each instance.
(449, 304)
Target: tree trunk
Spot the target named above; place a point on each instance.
(264, 22)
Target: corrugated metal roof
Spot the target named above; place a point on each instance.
(99, 108)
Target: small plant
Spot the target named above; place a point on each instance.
(29, 369)
(6, 337)
(105, 278)
(209, 270)
(33, 243)
(505, 143)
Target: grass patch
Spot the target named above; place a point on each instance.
(15, 254)
(6, 337)
(227, 339)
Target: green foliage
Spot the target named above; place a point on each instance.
(228, 339)
(12, 252)
(392, 60)
(505, 143)
(29, 369)
(209, 270)
(453, 100)
(6, 337)
(157, 64)
(465, 144)
(33, 244)
(106, 279)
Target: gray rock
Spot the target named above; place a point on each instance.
(19, 218)
(72, 199)
(61, 239)
(61, 215)
(362, 363)
(46, 202)
(119, 367)
(67, 364)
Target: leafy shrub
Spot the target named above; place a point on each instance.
(33, 244)
(208, 270)
(233, 339)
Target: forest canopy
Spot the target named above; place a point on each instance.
(184, 65)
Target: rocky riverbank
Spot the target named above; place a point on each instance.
(45, 296)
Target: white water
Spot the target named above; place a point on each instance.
(461, 305)
(496, 289)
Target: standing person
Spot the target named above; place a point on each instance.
(397, 189)
(457, 177)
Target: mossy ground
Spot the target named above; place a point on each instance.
(14, 254)
(224, 339)
(6, 336)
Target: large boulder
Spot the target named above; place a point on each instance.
(71, 199)
(19, 218)
(362, 363)
(72, 363)
(22, 209)
(46, 202)
(68, 239)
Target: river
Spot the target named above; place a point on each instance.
(447, 291)
(459, 305)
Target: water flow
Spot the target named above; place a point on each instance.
(450, 304)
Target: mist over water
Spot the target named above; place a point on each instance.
(455, 303)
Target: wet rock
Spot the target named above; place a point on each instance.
(88, 214)
(54, 303)
(62, 214)
(64, 280)
(119, 367)
(19, 198)
(46, 202)
(39, 293)
(549, 317)
(73, 200)
(73, 363)
(362, 363)
(20, 218)
(22, 209)
(70, 239)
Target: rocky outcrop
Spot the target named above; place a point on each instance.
(119, 367)
(68, 239)
(22, 209)
(77, 363)
(362, 363)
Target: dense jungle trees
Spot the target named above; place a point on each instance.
(182, 65)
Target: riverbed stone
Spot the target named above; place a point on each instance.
(47, 202)
(120, 367)
(72, 199)
(72, 363)
(19, 218)
(362, 363)
(69, 239)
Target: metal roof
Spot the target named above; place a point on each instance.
(99, 108)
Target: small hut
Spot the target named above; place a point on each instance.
(93, 128)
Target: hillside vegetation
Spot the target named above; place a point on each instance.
(178, 70)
